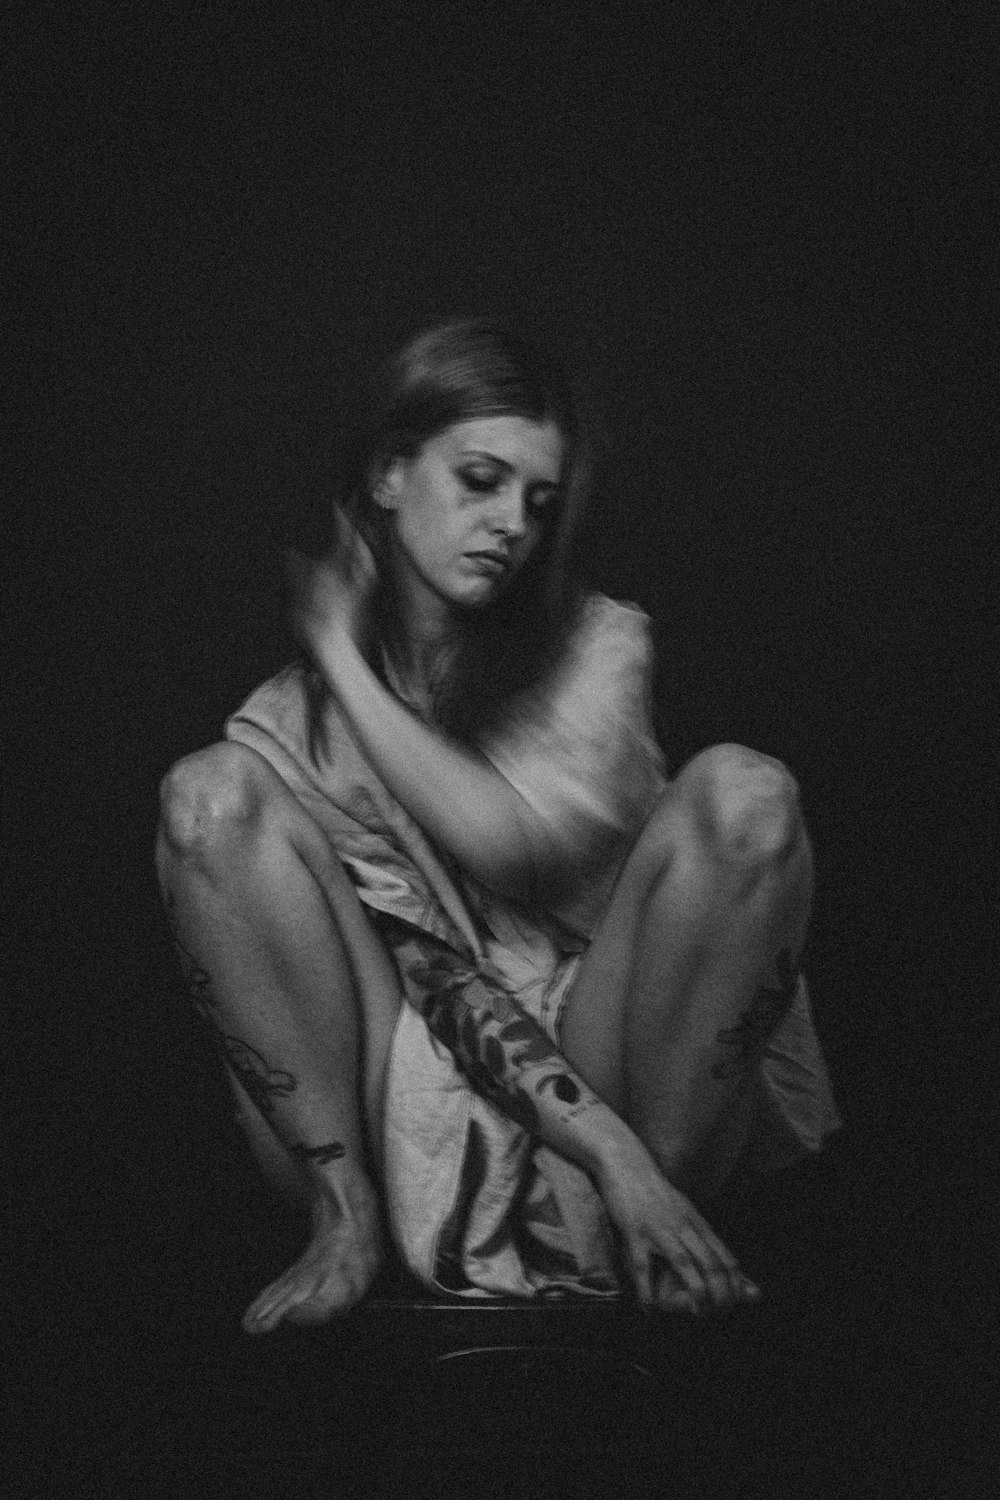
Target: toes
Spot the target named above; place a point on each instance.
(312, 1311)
(324, 1282)
(272, 1305)
(255, 1317)
(314, 1301)
(263, 1319)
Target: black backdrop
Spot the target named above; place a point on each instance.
(760, 236)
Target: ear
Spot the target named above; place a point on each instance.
(386, 482)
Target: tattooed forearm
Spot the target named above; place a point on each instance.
(562, 1085)
(747, 1040)
(581, 1109)
(332, 1151)
(567, 1090)
(262, 1083)
(497, 1045)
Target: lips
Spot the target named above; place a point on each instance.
(494, 561)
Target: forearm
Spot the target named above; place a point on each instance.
(672, 1255)
(509, 1059)
(461, 800)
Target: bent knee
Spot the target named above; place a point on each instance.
(210, 795)
(746, 803)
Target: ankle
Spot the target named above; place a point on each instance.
(346, 1193)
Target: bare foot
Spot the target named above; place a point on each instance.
(333, 1272)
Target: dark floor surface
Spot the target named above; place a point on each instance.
(832, 1386)
(863, 1371)
(868, 1368)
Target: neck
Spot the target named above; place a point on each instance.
(422, 633)
(421, 647)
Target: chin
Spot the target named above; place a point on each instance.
(480, 595)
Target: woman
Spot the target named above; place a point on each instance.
(476, 966)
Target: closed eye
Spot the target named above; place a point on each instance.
(538, 498)
(480, 484)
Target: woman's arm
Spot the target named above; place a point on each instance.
(672, 1254)
(455, 794)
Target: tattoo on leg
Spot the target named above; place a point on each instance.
(198, 981)
(262, 1083)
(332, 1151)
(750, 1035)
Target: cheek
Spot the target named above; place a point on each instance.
(425, 508)
(429, 533)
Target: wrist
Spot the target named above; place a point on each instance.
(338, 657)
(606, 1142)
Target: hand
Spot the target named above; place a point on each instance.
(330, 598)
(674, 1257)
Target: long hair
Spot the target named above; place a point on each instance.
(456, 372)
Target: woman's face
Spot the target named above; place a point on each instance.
(468, 509)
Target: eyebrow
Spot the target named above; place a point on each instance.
(502, 463)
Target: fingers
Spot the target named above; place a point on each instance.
(352, 544)
(642, 1277)
(744, 1290)
(684, 1276)
(669, 1282)
(691, 1271)
(724, 1281)
(669, 1278)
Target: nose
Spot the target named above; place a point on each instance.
(510, 517)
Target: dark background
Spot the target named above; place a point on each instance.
(761, 236)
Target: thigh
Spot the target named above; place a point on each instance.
(713, 805)
(592, 1025)
(376, 983)
(332, 934)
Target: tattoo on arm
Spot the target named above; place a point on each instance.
(568, 1091)
(749, 1037)
(332, 1151)
(493, 1041)
(262, 1083)
(581, 1108)
(563, 1086)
